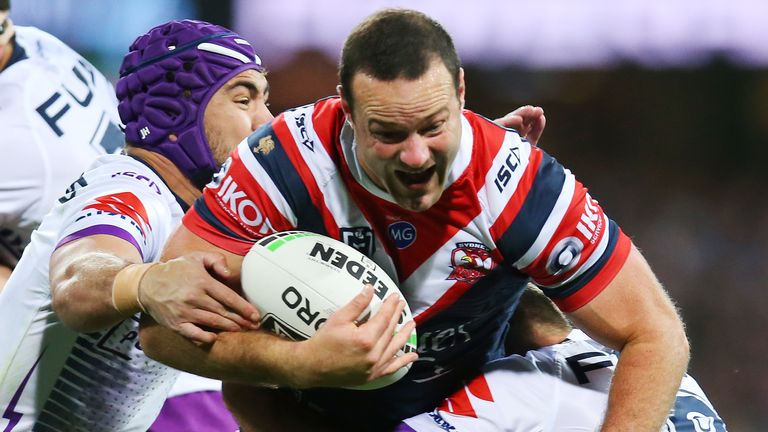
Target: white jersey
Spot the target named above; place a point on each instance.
(57, 114)
(563, 387)
(53, 378)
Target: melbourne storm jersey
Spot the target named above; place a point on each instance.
(562, 387)
(509, 213)
(53, 378)
(57, 114)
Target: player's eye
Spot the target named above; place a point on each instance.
(433, 128)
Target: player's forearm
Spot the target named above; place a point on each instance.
(647, 377)
(254, 357)
(82, 291)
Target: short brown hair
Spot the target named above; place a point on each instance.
(5, 5)
(396, 43)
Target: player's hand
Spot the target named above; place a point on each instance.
(528, 120)
(182, 294)
(343, 353)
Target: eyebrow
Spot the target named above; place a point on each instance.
(386, 124)
(250, 86)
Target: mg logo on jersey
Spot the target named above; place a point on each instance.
(470, 261)
(402, 233)
(245, 209)
(360, 238)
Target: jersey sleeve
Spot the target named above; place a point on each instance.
(551, 229)
(246, 200)
(126, 209)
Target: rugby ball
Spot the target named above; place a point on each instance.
(297, 279)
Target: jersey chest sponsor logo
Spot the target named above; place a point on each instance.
(234, 199)
(470, 261)
(402, 233)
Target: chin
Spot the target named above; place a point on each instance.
(419, 204)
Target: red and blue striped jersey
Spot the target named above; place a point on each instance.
(510, 213)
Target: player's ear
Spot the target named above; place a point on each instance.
(344, 103)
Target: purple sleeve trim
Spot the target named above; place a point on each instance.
(102, 229)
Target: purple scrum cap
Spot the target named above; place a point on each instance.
(167, 78)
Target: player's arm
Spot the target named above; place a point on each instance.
(341, 353)
(98, 281)
(634, 315)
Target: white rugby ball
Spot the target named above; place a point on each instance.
(297, 279)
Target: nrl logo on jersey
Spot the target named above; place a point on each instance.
(360, 238)
(470, 261)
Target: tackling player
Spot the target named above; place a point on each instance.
(398, 157)
(69, 355)
(561, 384)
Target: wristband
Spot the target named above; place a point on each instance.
(125, 288)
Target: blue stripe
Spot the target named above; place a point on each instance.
(48, 421)
(42, 427)
(205, 214)
(75, 379)
(286, 177)
(576, 284)
(62, 399)
(108, 372)
(538, 205)
(52, 409)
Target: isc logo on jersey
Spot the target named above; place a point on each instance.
(234, 199)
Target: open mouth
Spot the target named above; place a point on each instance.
(416, 179)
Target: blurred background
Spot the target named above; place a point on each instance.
(660, 107)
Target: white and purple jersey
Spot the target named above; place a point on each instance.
(510, 213)
(57, 114)
(563, 387)
(53, 378)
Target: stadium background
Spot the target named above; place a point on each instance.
(662, 109)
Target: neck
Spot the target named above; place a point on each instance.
(171, 175)
(5, 54)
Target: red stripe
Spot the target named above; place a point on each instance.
(488, 138)
(247, 183)
(568, 228)
(193, 222)
(601, 280)
(328, 131)
(517, 199)
(450, 297)
(290, 146)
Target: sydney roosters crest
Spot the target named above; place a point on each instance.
(470, 261)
